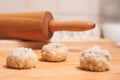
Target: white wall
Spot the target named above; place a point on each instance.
(62, 10)
(8, 6)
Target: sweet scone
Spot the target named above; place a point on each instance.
(95, 59)
(54, 52)
(21, 58)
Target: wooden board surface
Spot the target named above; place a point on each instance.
(67, 70)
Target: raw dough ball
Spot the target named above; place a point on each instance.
(22, 58)
(95, 59)
(54, 52)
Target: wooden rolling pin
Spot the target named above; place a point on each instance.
(37, 26)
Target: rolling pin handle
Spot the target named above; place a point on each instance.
(75, 25)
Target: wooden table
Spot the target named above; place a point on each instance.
(67, 70)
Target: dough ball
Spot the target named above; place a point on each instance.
(54, 52)
(95, 59)
(22, 58)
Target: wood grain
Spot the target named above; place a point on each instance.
(67, 70)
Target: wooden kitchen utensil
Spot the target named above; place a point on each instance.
(37, 26)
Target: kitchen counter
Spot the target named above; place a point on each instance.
(66, 70)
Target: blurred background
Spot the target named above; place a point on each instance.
(105, 13)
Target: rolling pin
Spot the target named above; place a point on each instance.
(38, 26)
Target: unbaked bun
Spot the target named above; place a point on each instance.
(95, 59)
(21, 58)
(54, 52)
